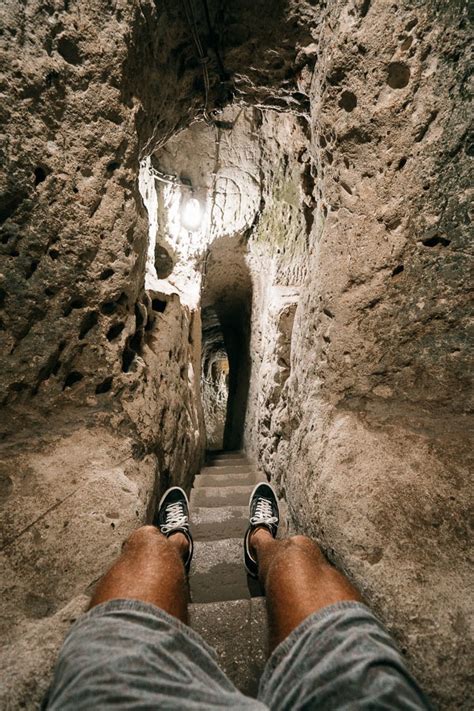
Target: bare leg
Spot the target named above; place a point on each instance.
(297, 580)
(150, 569)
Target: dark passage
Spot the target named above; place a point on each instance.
(227, 303)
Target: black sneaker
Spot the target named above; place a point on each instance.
(173, 516)
(263, 511)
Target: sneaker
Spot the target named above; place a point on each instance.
(173, 516)
(263, 511)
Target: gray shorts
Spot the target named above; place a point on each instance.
(126, 654)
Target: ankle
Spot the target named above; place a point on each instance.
(259, 536)
(179, 541)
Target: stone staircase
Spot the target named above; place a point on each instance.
(227, 607)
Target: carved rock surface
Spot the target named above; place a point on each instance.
(338, 189)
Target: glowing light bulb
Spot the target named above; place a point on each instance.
(191, 215)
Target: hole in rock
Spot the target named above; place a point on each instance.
(112, 166)
(105, 386)
(9, 205)
(40, 175)
(106, 274)
(88, 322)
(109, 307)
(31, 269)
(74, 304)
(68, 50)
(348, 101)
(436, 241)
(132, 348)
(115, 330)
(140, 315)
(398, 75)
(73, 378)
(50, 367)
(127, 358)
(158, 305)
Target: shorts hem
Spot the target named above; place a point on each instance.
(119, 604)
(285, 647)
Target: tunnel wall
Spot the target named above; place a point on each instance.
(367, 436)
(98, 380)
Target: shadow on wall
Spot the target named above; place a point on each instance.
(228, 291)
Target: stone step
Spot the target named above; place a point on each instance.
(218, 572)
(243, 478)
(237, 630)
(233, 463)
(221, 496)
(226, 455)
(229, 469)
(210, 524)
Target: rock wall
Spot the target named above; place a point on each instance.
(98, 378)
(368, 434)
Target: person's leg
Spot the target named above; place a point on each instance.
(329, 650)
(131, 648)
(150, 569)
(297, 580)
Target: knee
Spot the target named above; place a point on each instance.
(144, 536)
(307, 545)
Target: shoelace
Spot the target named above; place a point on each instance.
(175, 518)
(263, 513)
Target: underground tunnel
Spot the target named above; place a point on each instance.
(234, 240)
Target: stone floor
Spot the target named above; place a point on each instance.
(228, 608)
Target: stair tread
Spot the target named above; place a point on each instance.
(237, 630)
(221, 495)
(231, 479)
(208, 554)
(214, 523)
(211, 514)
(229, 467)
(218, 572)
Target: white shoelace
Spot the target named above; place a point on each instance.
(263, 513)
(175, 518)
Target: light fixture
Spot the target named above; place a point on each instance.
(191, 214)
